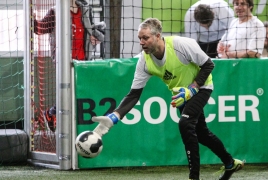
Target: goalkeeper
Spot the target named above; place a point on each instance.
(186, 70)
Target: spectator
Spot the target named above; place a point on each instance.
(206, 22)
(186, 70)
(85, 36)
(265, 48)
(245, 36)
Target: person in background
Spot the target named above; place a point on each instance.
(186, 70)
(85, 33)
(206, 21)
(245, 36)
(265, 48)
(85, 36)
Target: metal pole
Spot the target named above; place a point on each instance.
(27, 62)
(63, 75)
(102, 19)
(115, 24)
(107, 43)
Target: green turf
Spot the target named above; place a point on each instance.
(250, 172)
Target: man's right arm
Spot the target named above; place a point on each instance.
(108, 121)
(129, 101)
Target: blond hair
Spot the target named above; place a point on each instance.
(154, 24)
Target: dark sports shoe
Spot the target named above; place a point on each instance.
(50, 118)
(238, 165)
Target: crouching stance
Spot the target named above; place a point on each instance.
(186, 70)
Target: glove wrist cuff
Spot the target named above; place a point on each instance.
(101, 130)
(113, 117)
(192, 86)
(193, 89)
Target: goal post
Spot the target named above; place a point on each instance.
(48, 81)
(61, 156)
(63, 85)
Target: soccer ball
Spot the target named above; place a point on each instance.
(88, 144)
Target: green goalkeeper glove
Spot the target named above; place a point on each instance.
(105, 123)
(184, 94)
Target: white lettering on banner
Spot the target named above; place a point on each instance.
(242, 108)
(245, 104)
(223, 108)
(162, 110)
(137, 116)
(253, 108)
(211, 117)
(147, 112)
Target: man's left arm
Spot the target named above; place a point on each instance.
(184, 94)
(204, 72)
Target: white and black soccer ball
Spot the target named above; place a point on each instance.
(88, 144)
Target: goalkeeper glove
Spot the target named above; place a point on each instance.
(105, 123)
(184, 94)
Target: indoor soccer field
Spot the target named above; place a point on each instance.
(146, 144)
(208, 172)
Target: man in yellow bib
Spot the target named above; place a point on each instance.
(186, 70)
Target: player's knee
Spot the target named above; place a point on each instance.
(185, 124)
(187, 130)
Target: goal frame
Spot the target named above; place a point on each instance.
(64, 158)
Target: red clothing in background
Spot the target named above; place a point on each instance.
(77, 36)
